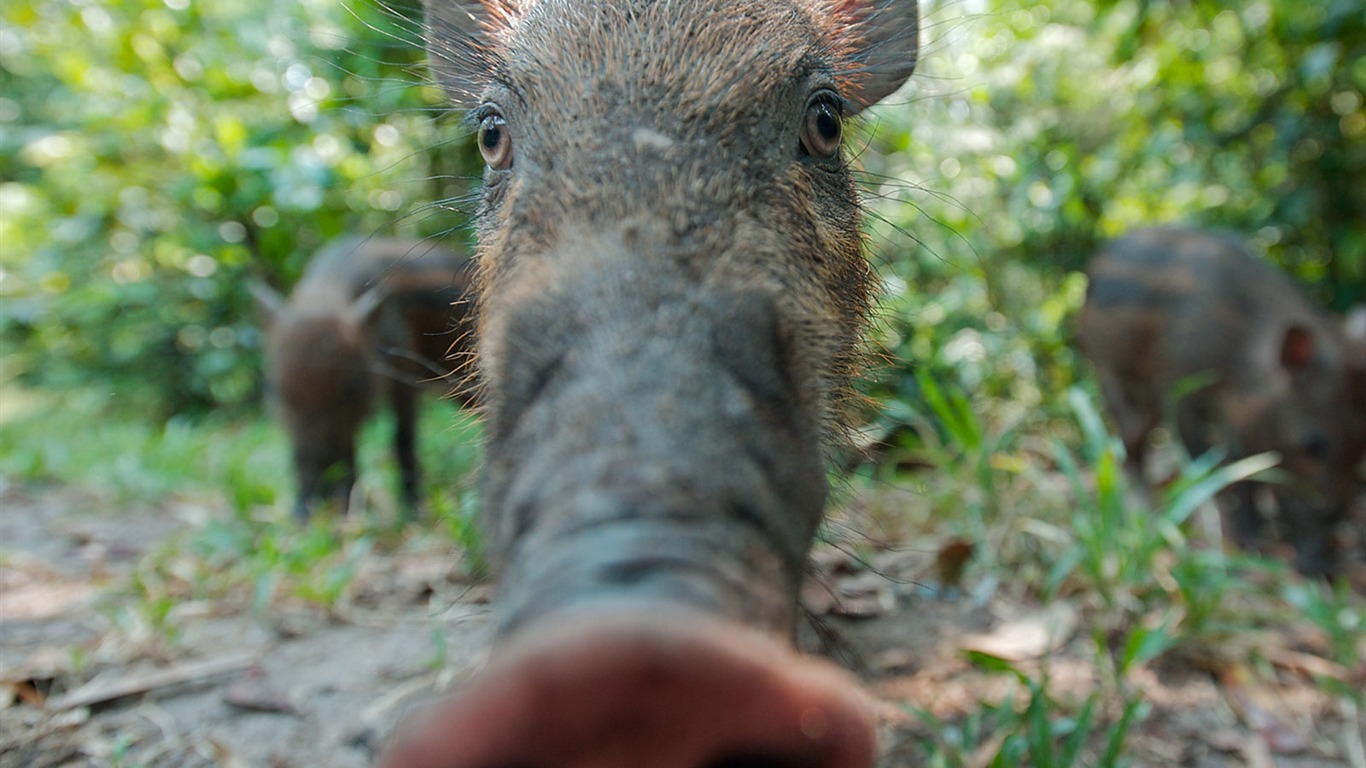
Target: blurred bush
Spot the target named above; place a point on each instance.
(1035, 131)
(154, 153)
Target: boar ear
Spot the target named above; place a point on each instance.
(884, 37)
(268, 301)
(363, 308)
(1297, 348)
(460, 54)
(1354, 324)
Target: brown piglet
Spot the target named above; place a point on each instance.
(1265, 369)
(370, 318)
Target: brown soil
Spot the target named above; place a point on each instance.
(305, 687)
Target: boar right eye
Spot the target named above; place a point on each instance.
(495, 143)
(821, 127)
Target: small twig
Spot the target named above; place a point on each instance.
(100, 692)
(377, 711)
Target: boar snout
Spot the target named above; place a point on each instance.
(663, 451)
(663, 690)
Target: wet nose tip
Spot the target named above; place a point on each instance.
(667, 693)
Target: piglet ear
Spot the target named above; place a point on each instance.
(1354, 324)
(1297, 348)
(364, 306)
(459, 48)
(884, 41)
(268, 301)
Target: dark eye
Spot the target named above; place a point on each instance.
(821, 128)
(1316, 446)
(495, 144)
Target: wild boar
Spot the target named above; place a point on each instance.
(1270, 372)
(672, 296)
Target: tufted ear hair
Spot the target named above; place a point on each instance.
(884, 41)
(460, 49)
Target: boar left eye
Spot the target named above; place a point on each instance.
(495, 144)
(822, 126)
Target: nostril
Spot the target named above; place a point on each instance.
(762, 761)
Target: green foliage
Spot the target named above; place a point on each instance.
(1122, 541)
(96, 440)
(154, 154)
(1031, 727)
(1033, 131)
(244, 546)
(89, 440)
(976, 465)
(1129, 562)
(1341, 617)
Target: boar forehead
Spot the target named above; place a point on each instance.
(724, 74)
(669, 130)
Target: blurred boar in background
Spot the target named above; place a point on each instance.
(1269, 372)
(370, 318)
(672, 299)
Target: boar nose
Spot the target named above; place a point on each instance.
(646, 690)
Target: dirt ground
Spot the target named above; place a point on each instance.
(83, 685)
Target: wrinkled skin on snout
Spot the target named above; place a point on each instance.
(372, 320)
(671, 299)
(1268, 371)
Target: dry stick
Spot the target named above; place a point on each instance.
(99, 692)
